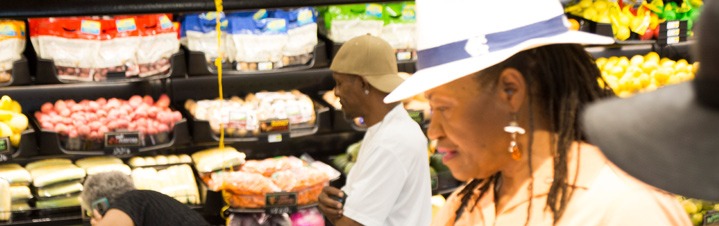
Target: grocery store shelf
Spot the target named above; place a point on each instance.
(46, 8)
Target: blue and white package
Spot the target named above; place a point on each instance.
(198, 34)
(302, 32)
(258, 40)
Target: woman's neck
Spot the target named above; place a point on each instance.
(516, 175)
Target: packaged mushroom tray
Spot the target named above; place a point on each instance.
(248, 186)
(83, 126)
(256, 113)
(167, 174)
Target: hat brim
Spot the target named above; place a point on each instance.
(428, 78)
(664, 138)
(385, 83)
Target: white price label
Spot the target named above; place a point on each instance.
(264, 66)
(4, 158)
(404, 55)
(673, 40)
(673, 32)
(274, 138)
(672, 24)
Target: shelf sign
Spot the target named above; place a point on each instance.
(5, 145)
(673, 32)
(404, 55)
(276, 125)
(711, 218)
(123, 143)
(274, 138)
(281, 202)
(673, 40)
(673, 24)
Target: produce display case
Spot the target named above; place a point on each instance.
(47, 72)
(19, 75)
(52, 143)
(198, 66)
(27, 148)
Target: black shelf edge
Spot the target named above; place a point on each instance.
(47, 8)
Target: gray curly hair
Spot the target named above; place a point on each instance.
(110, 185)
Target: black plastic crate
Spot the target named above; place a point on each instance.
(198, 65)
(20, 74)
(47, 72)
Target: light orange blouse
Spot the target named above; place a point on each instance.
(603, 195)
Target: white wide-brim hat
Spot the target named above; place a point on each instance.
(460, 37)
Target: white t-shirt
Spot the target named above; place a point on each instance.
(389, 184)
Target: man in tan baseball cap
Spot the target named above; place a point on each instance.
(390, 183)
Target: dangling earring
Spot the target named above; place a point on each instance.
(366, 92)
(514, 129)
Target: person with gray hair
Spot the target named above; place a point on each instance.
(112, 199)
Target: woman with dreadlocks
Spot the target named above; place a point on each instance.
(505, 100)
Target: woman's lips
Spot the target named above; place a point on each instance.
(447, 154)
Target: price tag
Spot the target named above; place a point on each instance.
(274, 138)
(5, 157)
(275, 125)
(404, 55)
(711, 218)
(264, 66)
(417, 116)
(281, 202)
(5, 145)
(673, 32)
(673, 40)
(672, 24)
(123, 143)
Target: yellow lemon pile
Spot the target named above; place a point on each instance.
(12, 121)
(641, 73)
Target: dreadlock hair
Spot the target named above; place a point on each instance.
(563, 79)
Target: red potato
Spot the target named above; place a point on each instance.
(147, 99)
(48, 126)
(77, 108)
(95, 135)
(112, 125)
(84, 102)
(163, 128)
(102, 101)
(151, 130)
(73, 134)
(163, 101)
(113, 103)
(94, 126)
(39, 116)
(177, 116)
(67, 121)
(83, 130)
(70, 103)
(65, 112)
(60, 128)
(101, 113)
(122, 123)
(103, 130)
(132, 126)
(93, 106)
(91, 117)
(135, 101)
(46, 107)
(152, 112)
(59, 105)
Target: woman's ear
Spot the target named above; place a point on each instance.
(512, 88)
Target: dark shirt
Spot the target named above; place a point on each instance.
(152, 208)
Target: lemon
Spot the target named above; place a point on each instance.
(695, 67)
(601, 61)
(613, 82)
(15, 107)
(590, 14)
(652, 56)
(5, 130)
(649, 65)
(600, 6)
(624, 94)
(637, 60)
(651, 87)
(662, 75)
(15, 140)
(623, 61)
(617, 71)
(585, 3)
(645, 80)
(622, 33)
(603, 17)
(5, 102)
(609, 65)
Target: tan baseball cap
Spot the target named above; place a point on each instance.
(369, 57)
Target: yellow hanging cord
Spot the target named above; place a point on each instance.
(218, 64)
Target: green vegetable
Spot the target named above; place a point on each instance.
(436, 162)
